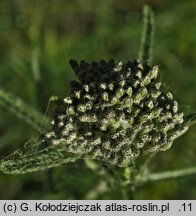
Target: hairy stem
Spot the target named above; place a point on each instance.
(145, 54)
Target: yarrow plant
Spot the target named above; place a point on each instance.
(116, 114)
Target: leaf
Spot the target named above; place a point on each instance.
(23, 111)
(145, 54)
(37, 160)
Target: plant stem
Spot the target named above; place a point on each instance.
(108, 175)
(145, 54)
(129, 192)
(168, 175)
(190, 119)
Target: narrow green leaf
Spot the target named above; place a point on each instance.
(145, 54)
(15, 105)
(169, 175)
(190, 119)
(37, 160)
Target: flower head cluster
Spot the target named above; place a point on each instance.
(116, 113)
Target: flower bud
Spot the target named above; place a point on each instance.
(116, 113)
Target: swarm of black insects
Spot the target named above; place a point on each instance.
(116, 113)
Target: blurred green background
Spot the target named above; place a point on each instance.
(37, 39)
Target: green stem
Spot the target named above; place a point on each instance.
(129, 182)
(129, 192)
(145, 54)
(101, 170)
(190, 119)
(168, 175)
